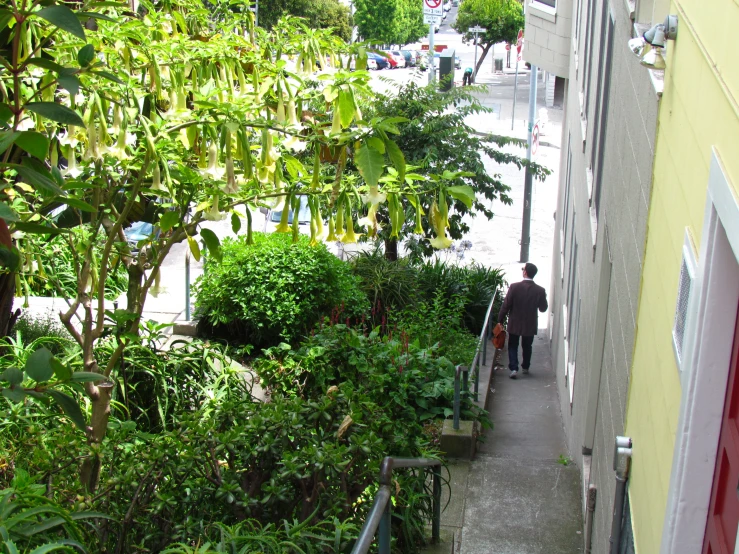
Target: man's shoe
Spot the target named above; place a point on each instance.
(525, 370)
(513, 374)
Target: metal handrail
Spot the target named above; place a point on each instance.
(476, 365)
(379, 516)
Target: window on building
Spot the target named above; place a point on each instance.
(566, 200)
(550, 3)
(587, 51)
(578, 14)
(570, 265)
(601, 111)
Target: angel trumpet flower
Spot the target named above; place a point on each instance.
(71, 170)
(214, 213)
(213, 170)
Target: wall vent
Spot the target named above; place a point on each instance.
(685, 285)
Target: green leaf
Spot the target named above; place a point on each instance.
(109, 76)
(86, 55)
(7, 213)
(194, 248)
(377, 144)
(212, 243)
(463, 193)
(70, 407)
(7, 138)
(56, 112)
(346, 107)
(396, 156)
(6, 114)
(9, 257)
(293, 165)
(96, 15)
(14, 394)
(86, 376)
(235, 223)
(5, 17)
(47, 64)
(62, 371)
(38, 367)
(78, 204)
(12, 375)
(370, 164)
(50, 547)
(69, 83)
(39, 180)
(168, 220)
(36, 228)
(64, 18)
(34, 143)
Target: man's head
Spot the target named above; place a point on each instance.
(530, 271)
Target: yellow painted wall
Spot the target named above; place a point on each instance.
(699, 110)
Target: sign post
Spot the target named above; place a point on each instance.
(519, 49)
(434, 9)
(476, 29)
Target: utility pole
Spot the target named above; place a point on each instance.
(528, 180)
(432, 69)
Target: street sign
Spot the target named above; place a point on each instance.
(431, 18)
(433, 7)
(477, 29)
(519, 45)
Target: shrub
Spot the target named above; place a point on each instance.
(46, 328)
(274, 289)
(476, 284)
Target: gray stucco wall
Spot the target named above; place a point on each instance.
(610, 250)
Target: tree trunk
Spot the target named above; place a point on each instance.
(391, 249)
(100, 396)
(484, 53)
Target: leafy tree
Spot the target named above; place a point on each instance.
(389, 21)
(502, 20)
(319, 14)
(180, 114)
(437, 141)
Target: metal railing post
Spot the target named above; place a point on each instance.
(456, 397)
(436, 523)
(484, 344)
(466, 382)
(383, 540)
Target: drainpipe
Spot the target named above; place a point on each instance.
(592, 492)
(621, 464)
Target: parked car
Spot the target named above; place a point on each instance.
(455, 3)
(273, 217)
(410, 58)
(393, 63)
(381, 62)
(457, 62)
(398, 57)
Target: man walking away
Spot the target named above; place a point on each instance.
(467, 77)
(520, 304)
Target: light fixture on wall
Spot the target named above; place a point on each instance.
(650, 46)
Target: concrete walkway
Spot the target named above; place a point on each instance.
(520, 495)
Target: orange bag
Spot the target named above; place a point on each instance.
(499, 335)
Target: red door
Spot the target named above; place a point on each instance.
(723, 512)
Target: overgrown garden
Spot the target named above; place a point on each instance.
(178, 113)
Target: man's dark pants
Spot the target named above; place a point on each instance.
(526, 345)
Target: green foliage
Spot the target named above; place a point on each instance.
(30, 522)
(435, 137)
(157, 387)
(502, 20)
(388, 284)
(43, 328)
(52, 271)
(319, 14)
(474, 285)
(274, 289)
(389, 21)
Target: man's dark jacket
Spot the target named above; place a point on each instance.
(521, 302)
